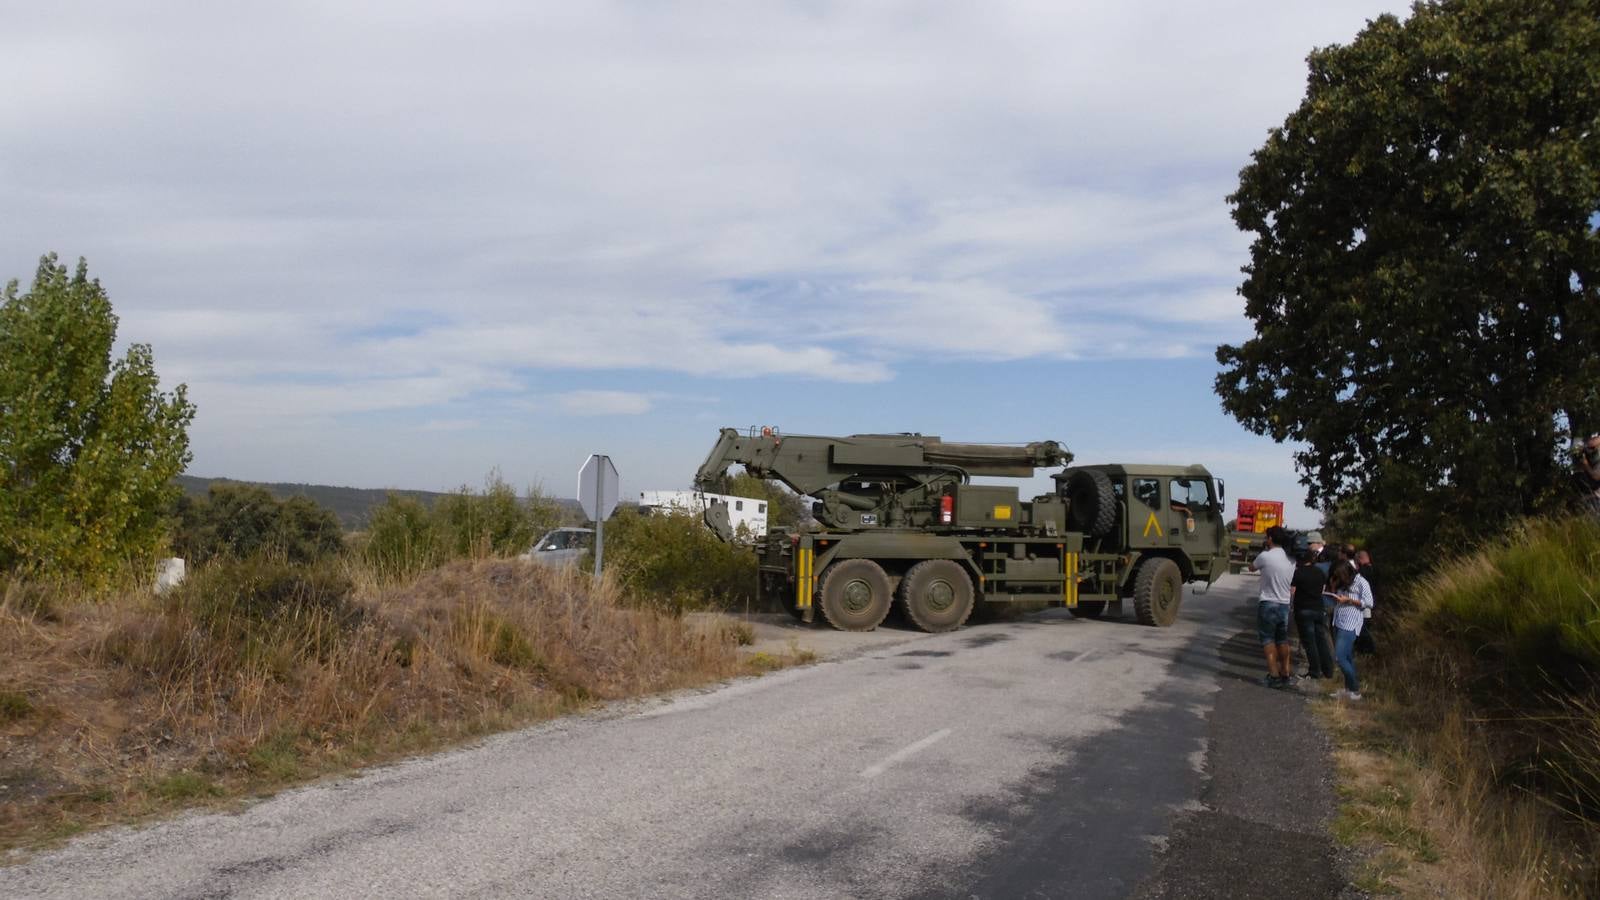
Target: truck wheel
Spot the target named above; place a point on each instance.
(937, 594)
(1157, 592)
(1088, 609)
(1093, 504)
(855, 594)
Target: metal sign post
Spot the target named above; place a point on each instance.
(598, 493)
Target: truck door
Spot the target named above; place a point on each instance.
(1197, 515)
(1147, 514)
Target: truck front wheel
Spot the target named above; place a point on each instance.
(1157, 592)
(855, 594)
(938, 595)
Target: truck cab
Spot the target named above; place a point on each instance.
(1159, 510)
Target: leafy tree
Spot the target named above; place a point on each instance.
(243, 520)
(784, 507)
(88, 446)
(1422, 277)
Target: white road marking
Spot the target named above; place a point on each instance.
(874, 771)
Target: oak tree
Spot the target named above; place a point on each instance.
(1423, 271)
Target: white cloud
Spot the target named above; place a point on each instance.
(604, 403)
(326, 209)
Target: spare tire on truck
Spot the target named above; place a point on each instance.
(1092, 505)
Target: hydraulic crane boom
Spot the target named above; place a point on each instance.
(886, 475)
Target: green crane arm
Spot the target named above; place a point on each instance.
(811, 463)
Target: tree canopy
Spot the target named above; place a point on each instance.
(88, 446)
(1422, 276)
(242, 520)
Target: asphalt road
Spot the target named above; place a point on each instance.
(1047, 757)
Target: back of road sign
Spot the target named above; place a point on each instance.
(598, 488)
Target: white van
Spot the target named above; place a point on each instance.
(749, 512)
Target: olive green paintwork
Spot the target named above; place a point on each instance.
(883, 498)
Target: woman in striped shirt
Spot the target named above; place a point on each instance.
(1352, 596)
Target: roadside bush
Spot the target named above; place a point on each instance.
(242, 520)
(400, 537)
(672, 561)
(492, 522)
(404, 536)
(1532, 600)
(258, 590)
(1512, 632)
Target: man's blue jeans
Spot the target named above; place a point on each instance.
(1344, 649)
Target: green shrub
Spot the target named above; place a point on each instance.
(404, 536)
(241, 520)
(673, 561)
(14, 705)
(400, 537)
(492, 522)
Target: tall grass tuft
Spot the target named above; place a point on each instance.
(1491, 674)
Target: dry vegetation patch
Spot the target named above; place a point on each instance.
(257, 674)
(1433, 821)
(1472, 768)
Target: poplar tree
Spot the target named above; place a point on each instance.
(89, 444)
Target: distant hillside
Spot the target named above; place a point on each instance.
(353, 506)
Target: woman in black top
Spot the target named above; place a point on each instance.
(1305, 590)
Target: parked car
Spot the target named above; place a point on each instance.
(561, 546)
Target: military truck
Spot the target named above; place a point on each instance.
(1249, 536)
(898, 519)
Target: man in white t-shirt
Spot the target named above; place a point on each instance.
(1272, 611)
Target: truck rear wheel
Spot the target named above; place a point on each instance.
(1088, 609)
(937, 594)
(1157, 592)
(855, 594)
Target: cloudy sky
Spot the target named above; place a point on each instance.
(403, 244)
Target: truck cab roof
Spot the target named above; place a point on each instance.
(1117, 470)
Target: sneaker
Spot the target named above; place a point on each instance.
(1272, 681)
(1353, 695)
(1288, 682)
(1340, 694)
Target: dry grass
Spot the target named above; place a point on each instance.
(250, 678)
(1432, 819)
(1473, 766)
